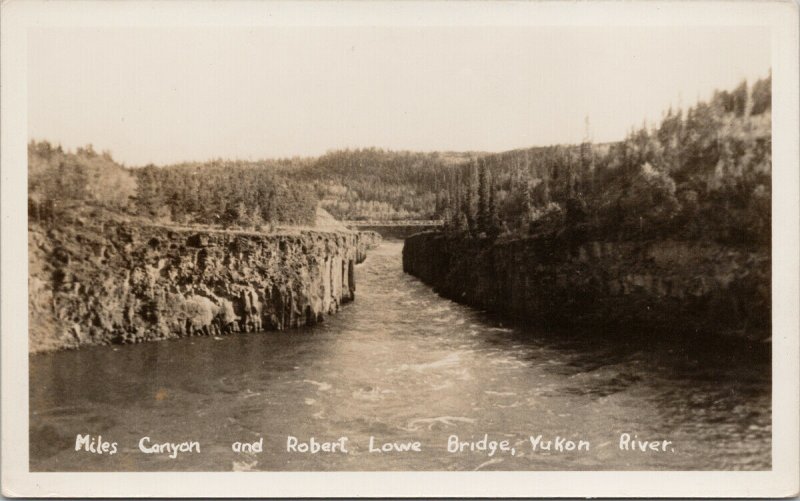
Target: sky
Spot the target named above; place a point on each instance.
(154, 95)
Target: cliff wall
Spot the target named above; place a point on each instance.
(115, 281)
(690, 287)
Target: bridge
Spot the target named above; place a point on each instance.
(395, 228)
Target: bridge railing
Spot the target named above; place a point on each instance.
(409, 222)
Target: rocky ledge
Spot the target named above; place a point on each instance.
(117, 281)
(664, 286)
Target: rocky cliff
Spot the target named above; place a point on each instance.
(687, 287)
(106, 280)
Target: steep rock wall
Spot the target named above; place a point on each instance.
(653, 286)
(121, 282)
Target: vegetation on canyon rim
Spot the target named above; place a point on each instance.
(700, 174)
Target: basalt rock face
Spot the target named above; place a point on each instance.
(121, 282)
(656, 286)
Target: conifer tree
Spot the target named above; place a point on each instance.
(493, 220)
(483, 198)
(467, 207)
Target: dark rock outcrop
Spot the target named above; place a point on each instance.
(651, 286)
(125, 282)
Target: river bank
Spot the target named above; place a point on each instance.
(103, 279)
(659, 286)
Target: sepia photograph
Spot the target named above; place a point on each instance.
(335, 244)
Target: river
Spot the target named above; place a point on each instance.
(402, 364)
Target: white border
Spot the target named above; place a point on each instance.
(781, 17)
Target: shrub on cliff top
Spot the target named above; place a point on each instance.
(57, 178)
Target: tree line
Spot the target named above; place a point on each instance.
(60, 180)
(226, 193)
(375, 184)
(220, 193)
(703, 174)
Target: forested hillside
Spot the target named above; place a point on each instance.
(226, 193)
(703, 172)
(221, 193)
(700, 174)
(350, 184)
(59, 181)
(382, 185)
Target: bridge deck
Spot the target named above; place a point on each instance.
(410, 222)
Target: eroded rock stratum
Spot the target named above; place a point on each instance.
(116, 281)
(663, 286)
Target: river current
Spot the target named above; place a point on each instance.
(402, 365)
